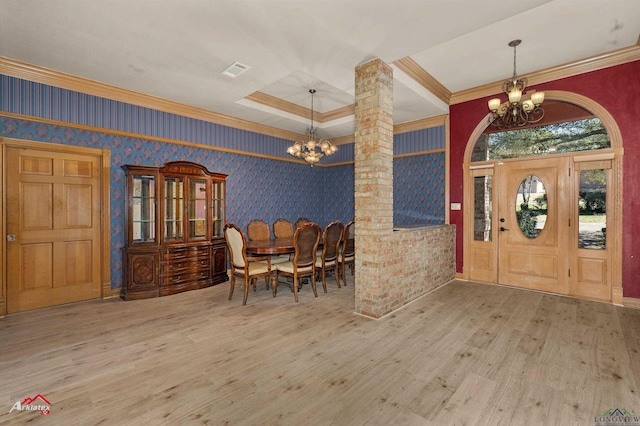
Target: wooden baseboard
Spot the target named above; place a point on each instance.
(631, 302)
(115, 292)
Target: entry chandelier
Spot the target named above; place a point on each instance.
(520, 109)
(313, 148)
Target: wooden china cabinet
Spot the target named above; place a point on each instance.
(175, 218)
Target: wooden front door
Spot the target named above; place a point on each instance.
(534, 223)
(53, 228)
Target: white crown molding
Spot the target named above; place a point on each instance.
(594, 63)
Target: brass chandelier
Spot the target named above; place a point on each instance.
(520, 109)
(313, 148)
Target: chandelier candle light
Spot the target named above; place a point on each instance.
(308, 149)
(520, 109)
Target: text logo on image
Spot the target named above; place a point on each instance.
(37, 403)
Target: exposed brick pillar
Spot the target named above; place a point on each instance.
(373, 186)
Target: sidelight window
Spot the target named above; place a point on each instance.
(592, 205)
(482, 208)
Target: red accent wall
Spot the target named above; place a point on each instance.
(617, 89)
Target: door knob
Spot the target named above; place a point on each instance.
(11, 237)
(502, 228)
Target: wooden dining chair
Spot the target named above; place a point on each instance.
(258, 230)
(328, 259)
(249, 269)
(301, 221)
(305, 242)
(282, 228)
(347, 252)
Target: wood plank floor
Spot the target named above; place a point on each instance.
(465, 354)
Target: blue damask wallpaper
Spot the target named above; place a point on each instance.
(258, 187)
(418, 190)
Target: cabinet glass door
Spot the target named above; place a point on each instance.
(174, 208)
(217, 201)
(143, 214)
(197, 209)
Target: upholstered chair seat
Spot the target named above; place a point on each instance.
(255, 268)
(288, 268)
(326, 264)
(277, 259)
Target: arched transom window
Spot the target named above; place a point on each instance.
(568, 128)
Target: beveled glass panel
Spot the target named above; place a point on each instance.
(217, 205)
(482, 208)
(174, 208)
(144, 209)
(197, 209)
(592, 205)
(531, 206)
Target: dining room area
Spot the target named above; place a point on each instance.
(192, 224)
(402, 250)
(300, 252)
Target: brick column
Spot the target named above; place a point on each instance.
(373, 186)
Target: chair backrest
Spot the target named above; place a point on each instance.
(282, 228)
(305, 242)
(258, 230)
(348, 238)
(237, 244)
(301, 221)
(331, 240)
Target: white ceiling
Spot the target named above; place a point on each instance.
(176, 50)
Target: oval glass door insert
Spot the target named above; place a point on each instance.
(531, 206)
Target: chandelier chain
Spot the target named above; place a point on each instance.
(514, 62)
(312, 91)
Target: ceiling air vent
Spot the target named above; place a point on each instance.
(235, 69)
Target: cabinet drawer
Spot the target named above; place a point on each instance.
(184, 266)
(185, 253)
(173, 279)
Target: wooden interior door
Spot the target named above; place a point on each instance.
(539, 262)
(53, 228)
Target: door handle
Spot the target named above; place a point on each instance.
(11, 237)
(502, 228)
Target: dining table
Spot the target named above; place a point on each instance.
(270, 247)
(274, 246)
